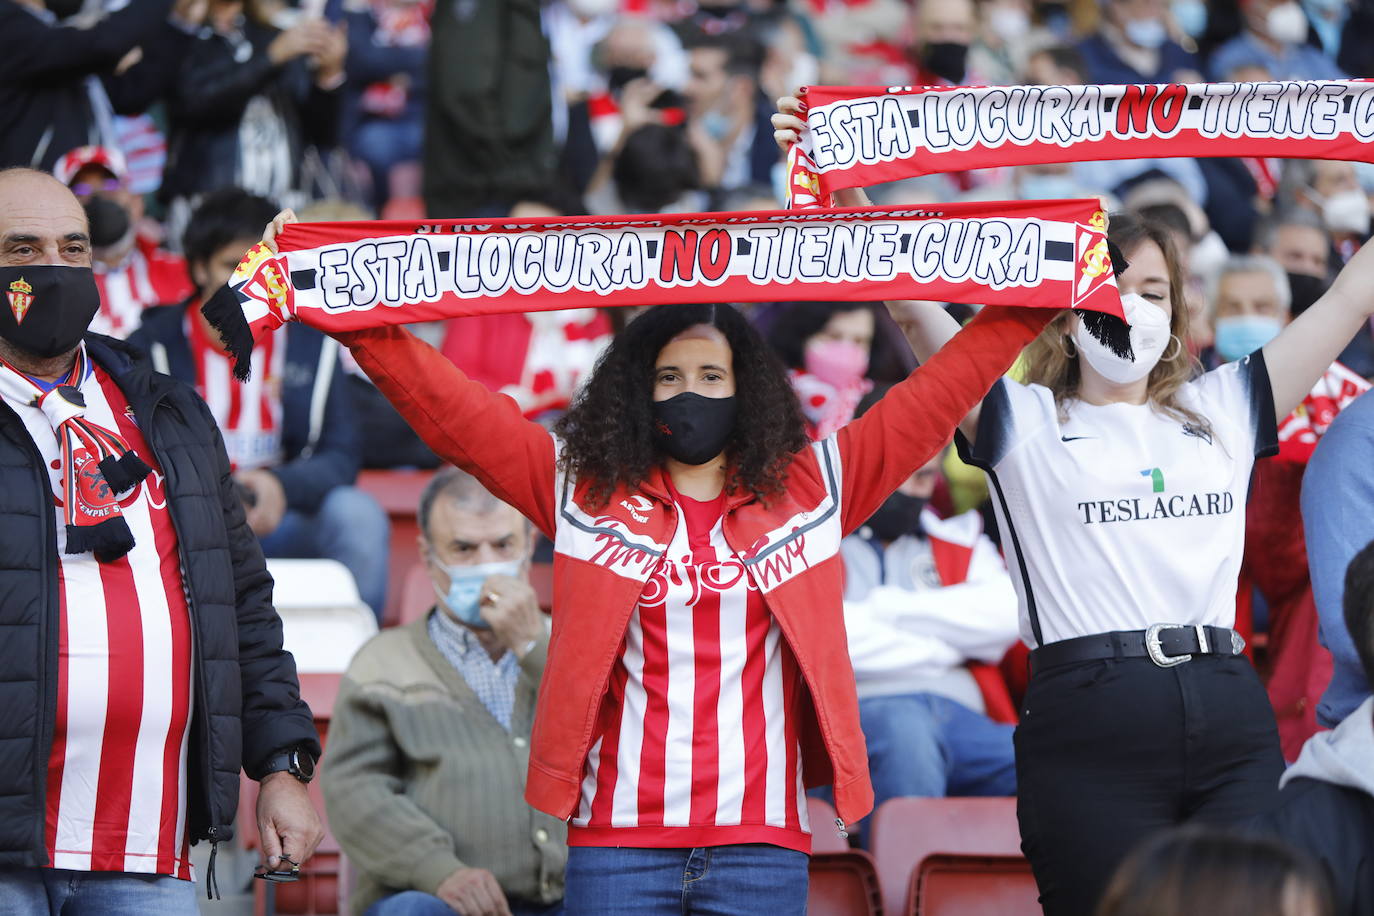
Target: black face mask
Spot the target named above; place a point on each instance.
(899, 514)
(1307, 289)
(618, 76)
(47, 308)
(945, 59)
(692, 428)
(63, 9)
(109, 221)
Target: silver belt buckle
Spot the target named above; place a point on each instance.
(1156, 651)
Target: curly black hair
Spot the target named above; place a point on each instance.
(608, 432)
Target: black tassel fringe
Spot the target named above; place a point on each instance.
(225, 315)
(124, 473)
(109, 540)
(1114, 333)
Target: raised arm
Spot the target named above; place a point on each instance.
(1307, 347)
(918, 416)
(926, 325)
(482, 432)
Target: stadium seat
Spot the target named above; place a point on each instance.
(398, 493)
(908, 831)
(843, 884)
(323, 620)
(824, 836)
(973, 886)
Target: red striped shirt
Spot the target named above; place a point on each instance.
(148, 276)
(696, 741)
(116, 793)
(249, 414)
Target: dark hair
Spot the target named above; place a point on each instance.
(608, 432)
(222, 217)
(744, 51)
(796, 322)
(1066, 57)
(460, 486)
(654, 168)
(1359, 606)
(1170, 216)
(1204, 871)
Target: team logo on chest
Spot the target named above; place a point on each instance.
(21, 298)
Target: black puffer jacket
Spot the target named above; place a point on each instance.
(247, 698)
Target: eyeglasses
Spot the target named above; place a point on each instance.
(279, 875)
(87, 188)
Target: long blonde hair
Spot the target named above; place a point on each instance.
(1049, 361)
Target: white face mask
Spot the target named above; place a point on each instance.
(1287, 24)
(1149, 338)
(1009, 23)
(1347, 211)
(1208, 255)
(593, 9)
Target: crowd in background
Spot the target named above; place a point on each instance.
(183, 126)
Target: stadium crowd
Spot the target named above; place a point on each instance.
(171, 132)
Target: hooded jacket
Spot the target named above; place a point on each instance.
(604, 554)
(1326, 807)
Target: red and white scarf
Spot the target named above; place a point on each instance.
(97, 464)
(863, 135)
(349, 276)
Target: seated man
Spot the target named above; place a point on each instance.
(425, 779)
(1326, 802)
(291, 431)
(923, 597)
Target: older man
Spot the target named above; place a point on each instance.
(430, 739)
(142, 657)
(1250, 303)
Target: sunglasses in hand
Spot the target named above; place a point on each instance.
(287, 870)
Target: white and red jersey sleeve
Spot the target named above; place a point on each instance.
(696, 742)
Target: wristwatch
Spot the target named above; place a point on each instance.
(293, 760)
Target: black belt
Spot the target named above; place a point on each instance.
(1164, 644)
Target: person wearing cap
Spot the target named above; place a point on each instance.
(430, 739)
(131, 270)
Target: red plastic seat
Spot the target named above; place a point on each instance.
(824, 836)
(843, 884)
(973, 886)
(908, 831)
(398, 493)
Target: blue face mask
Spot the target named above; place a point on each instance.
(1191, 16)
(464, 596)
(1241, 335)
(1146, 33)
(1048, 187)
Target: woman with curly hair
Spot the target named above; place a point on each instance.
(697, 677)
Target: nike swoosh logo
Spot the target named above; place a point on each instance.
(1074, 438)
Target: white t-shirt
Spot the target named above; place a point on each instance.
(1122, 517)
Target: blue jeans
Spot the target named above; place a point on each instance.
(349, 527)
(926, 745)
(383, 143)
(418, 903)
(709, 881)
(93, 893)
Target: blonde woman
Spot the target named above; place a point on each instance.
(1120, 484)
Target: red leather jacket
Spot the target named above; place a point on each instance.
(604, 555)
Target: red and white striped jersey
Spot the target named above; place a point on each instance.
(116, 792)
(248, 413)
(696, 742)
(147, 277)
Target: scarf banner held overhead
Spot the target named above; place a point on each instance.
(349, 276)
(860, 136)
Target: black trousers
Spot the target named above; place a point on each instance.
(1110, 751)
